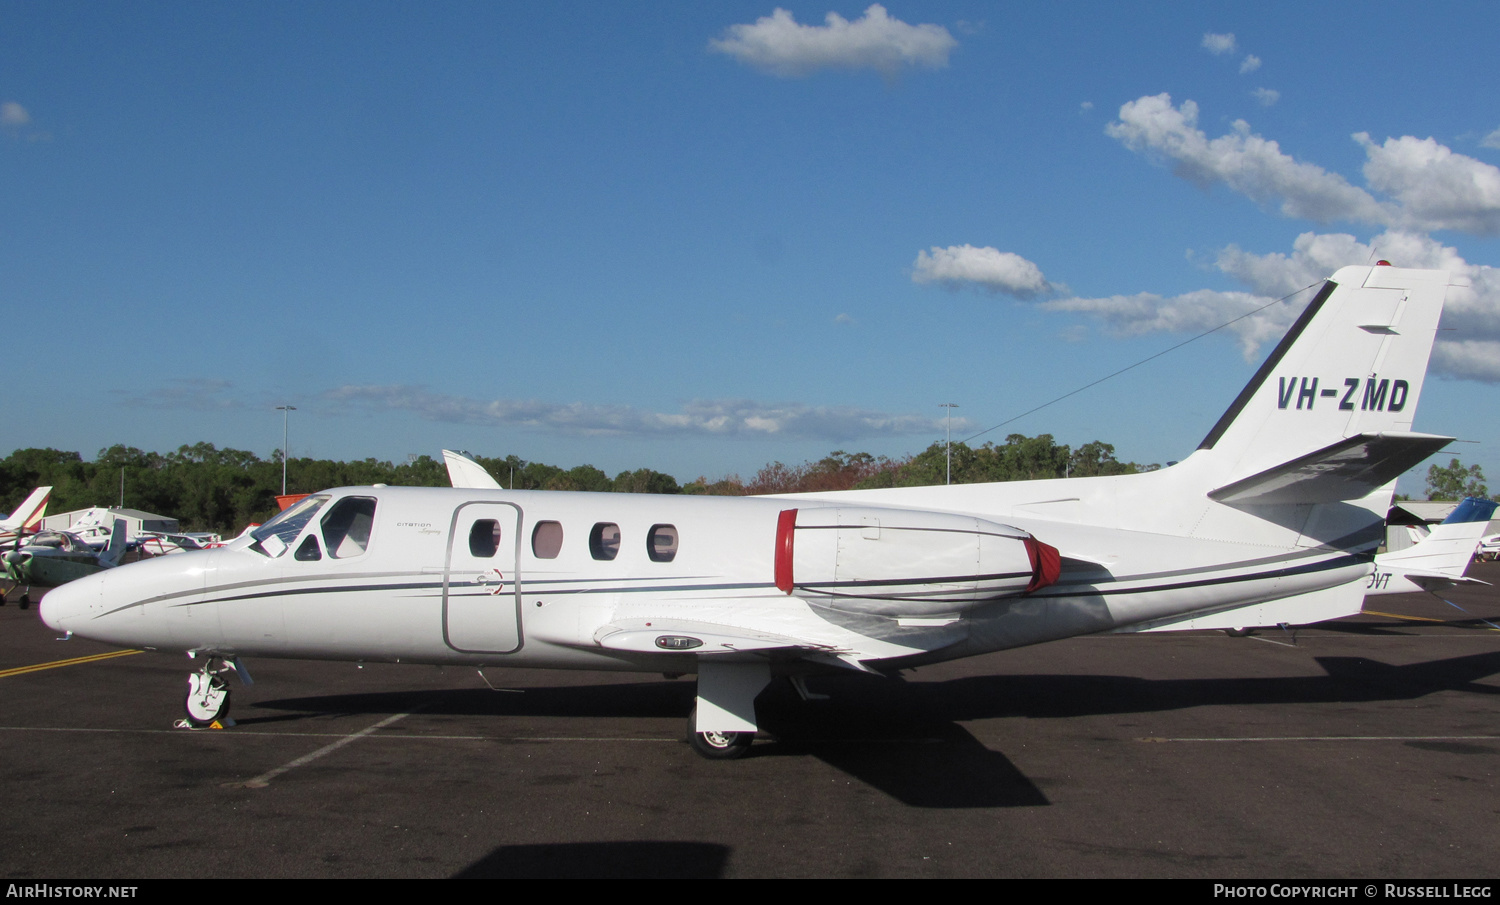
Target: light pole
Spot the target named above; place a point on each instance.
(950, 406)
(286, 411)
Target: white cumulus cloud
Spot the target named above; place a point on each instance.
(711, 417)
(778, 44)
(1249, 64)
(1437, 189)
(1266, 96)
(1491, 140)
(1468, 347)
(1245, 162)
(13, 114)
(1218, 45)
(1192, 312)
(1426, 186)
(987, 268)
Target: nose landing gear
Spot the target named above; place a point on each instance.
(207, 701)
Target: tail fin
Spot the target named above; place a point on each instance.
(1439, 559)
(1328, 416)
(465, 472)
(29, 514)
(119, 538)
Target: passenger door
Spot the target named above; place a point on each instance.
(481, 590)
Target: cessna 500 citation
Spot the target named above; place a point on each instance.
(1273, 519)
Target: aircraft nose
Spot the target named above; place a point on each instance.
(65, 606)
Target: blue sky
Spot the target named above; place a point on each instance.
(700, 237)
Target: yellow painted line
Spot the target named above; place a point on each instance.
(1399, 616)
(19, 670)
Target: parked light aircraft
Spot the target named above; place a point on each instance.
(53, 558)
(24, 520)
(1438, 560)
(1273, 519)
(26, 516)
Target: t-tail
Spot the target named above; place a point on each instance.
(1328, 417)
(1307, 456)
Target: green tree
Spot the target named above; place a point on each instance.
(644, 480)
(1454, 482)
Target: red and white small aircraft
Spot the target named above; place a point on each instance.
(1274, 519)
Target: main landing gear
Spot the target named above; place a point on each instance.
(25, 599)
(722, 724)
(717, 745)
(207, 699)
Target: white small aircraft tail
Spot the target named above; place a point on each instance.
(465, 472)
(1438, 560)
(119, 539)
(28, 515)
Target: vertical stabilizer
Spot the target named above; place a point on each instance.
(1329, 414)
(119, 539)
(465, 472)
(29, 514)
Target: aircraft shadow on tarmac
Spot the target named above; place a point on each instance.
(917, 760)
(905, 738)
(600, 860)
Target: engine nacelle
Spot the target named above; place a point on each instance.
(902, 562)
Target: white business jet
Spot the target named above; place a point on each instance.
(1273, 519)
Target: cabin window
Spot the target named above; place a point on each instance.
(347, 526)
(308, 551)
(661, 543)
(604, 541)
(484, 538)
(546, 540)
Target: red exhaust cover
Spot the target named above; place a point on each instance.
(1046, 564)
(786, 525)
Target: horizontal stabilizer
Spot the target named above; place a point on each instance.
(656, 636)
(1350, 469)
(1436, 581)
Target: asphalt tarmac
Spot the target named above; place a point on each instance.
(1364, 748)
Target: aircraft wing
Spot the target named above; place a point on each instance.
(1347, 470)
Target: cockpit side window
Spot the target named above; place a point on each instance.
(276, 535)
(308, 550)
(347, 526)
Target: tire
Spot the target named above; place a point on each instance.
(26, 601)
(204, 706)
(718, 745)
(1237, 632)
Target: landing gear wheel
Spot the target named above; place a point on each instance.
(1237, 632)
(25, 601)
(207, 700)
(718, 745)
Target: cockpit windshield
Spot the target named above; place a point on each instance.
(278, 533)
